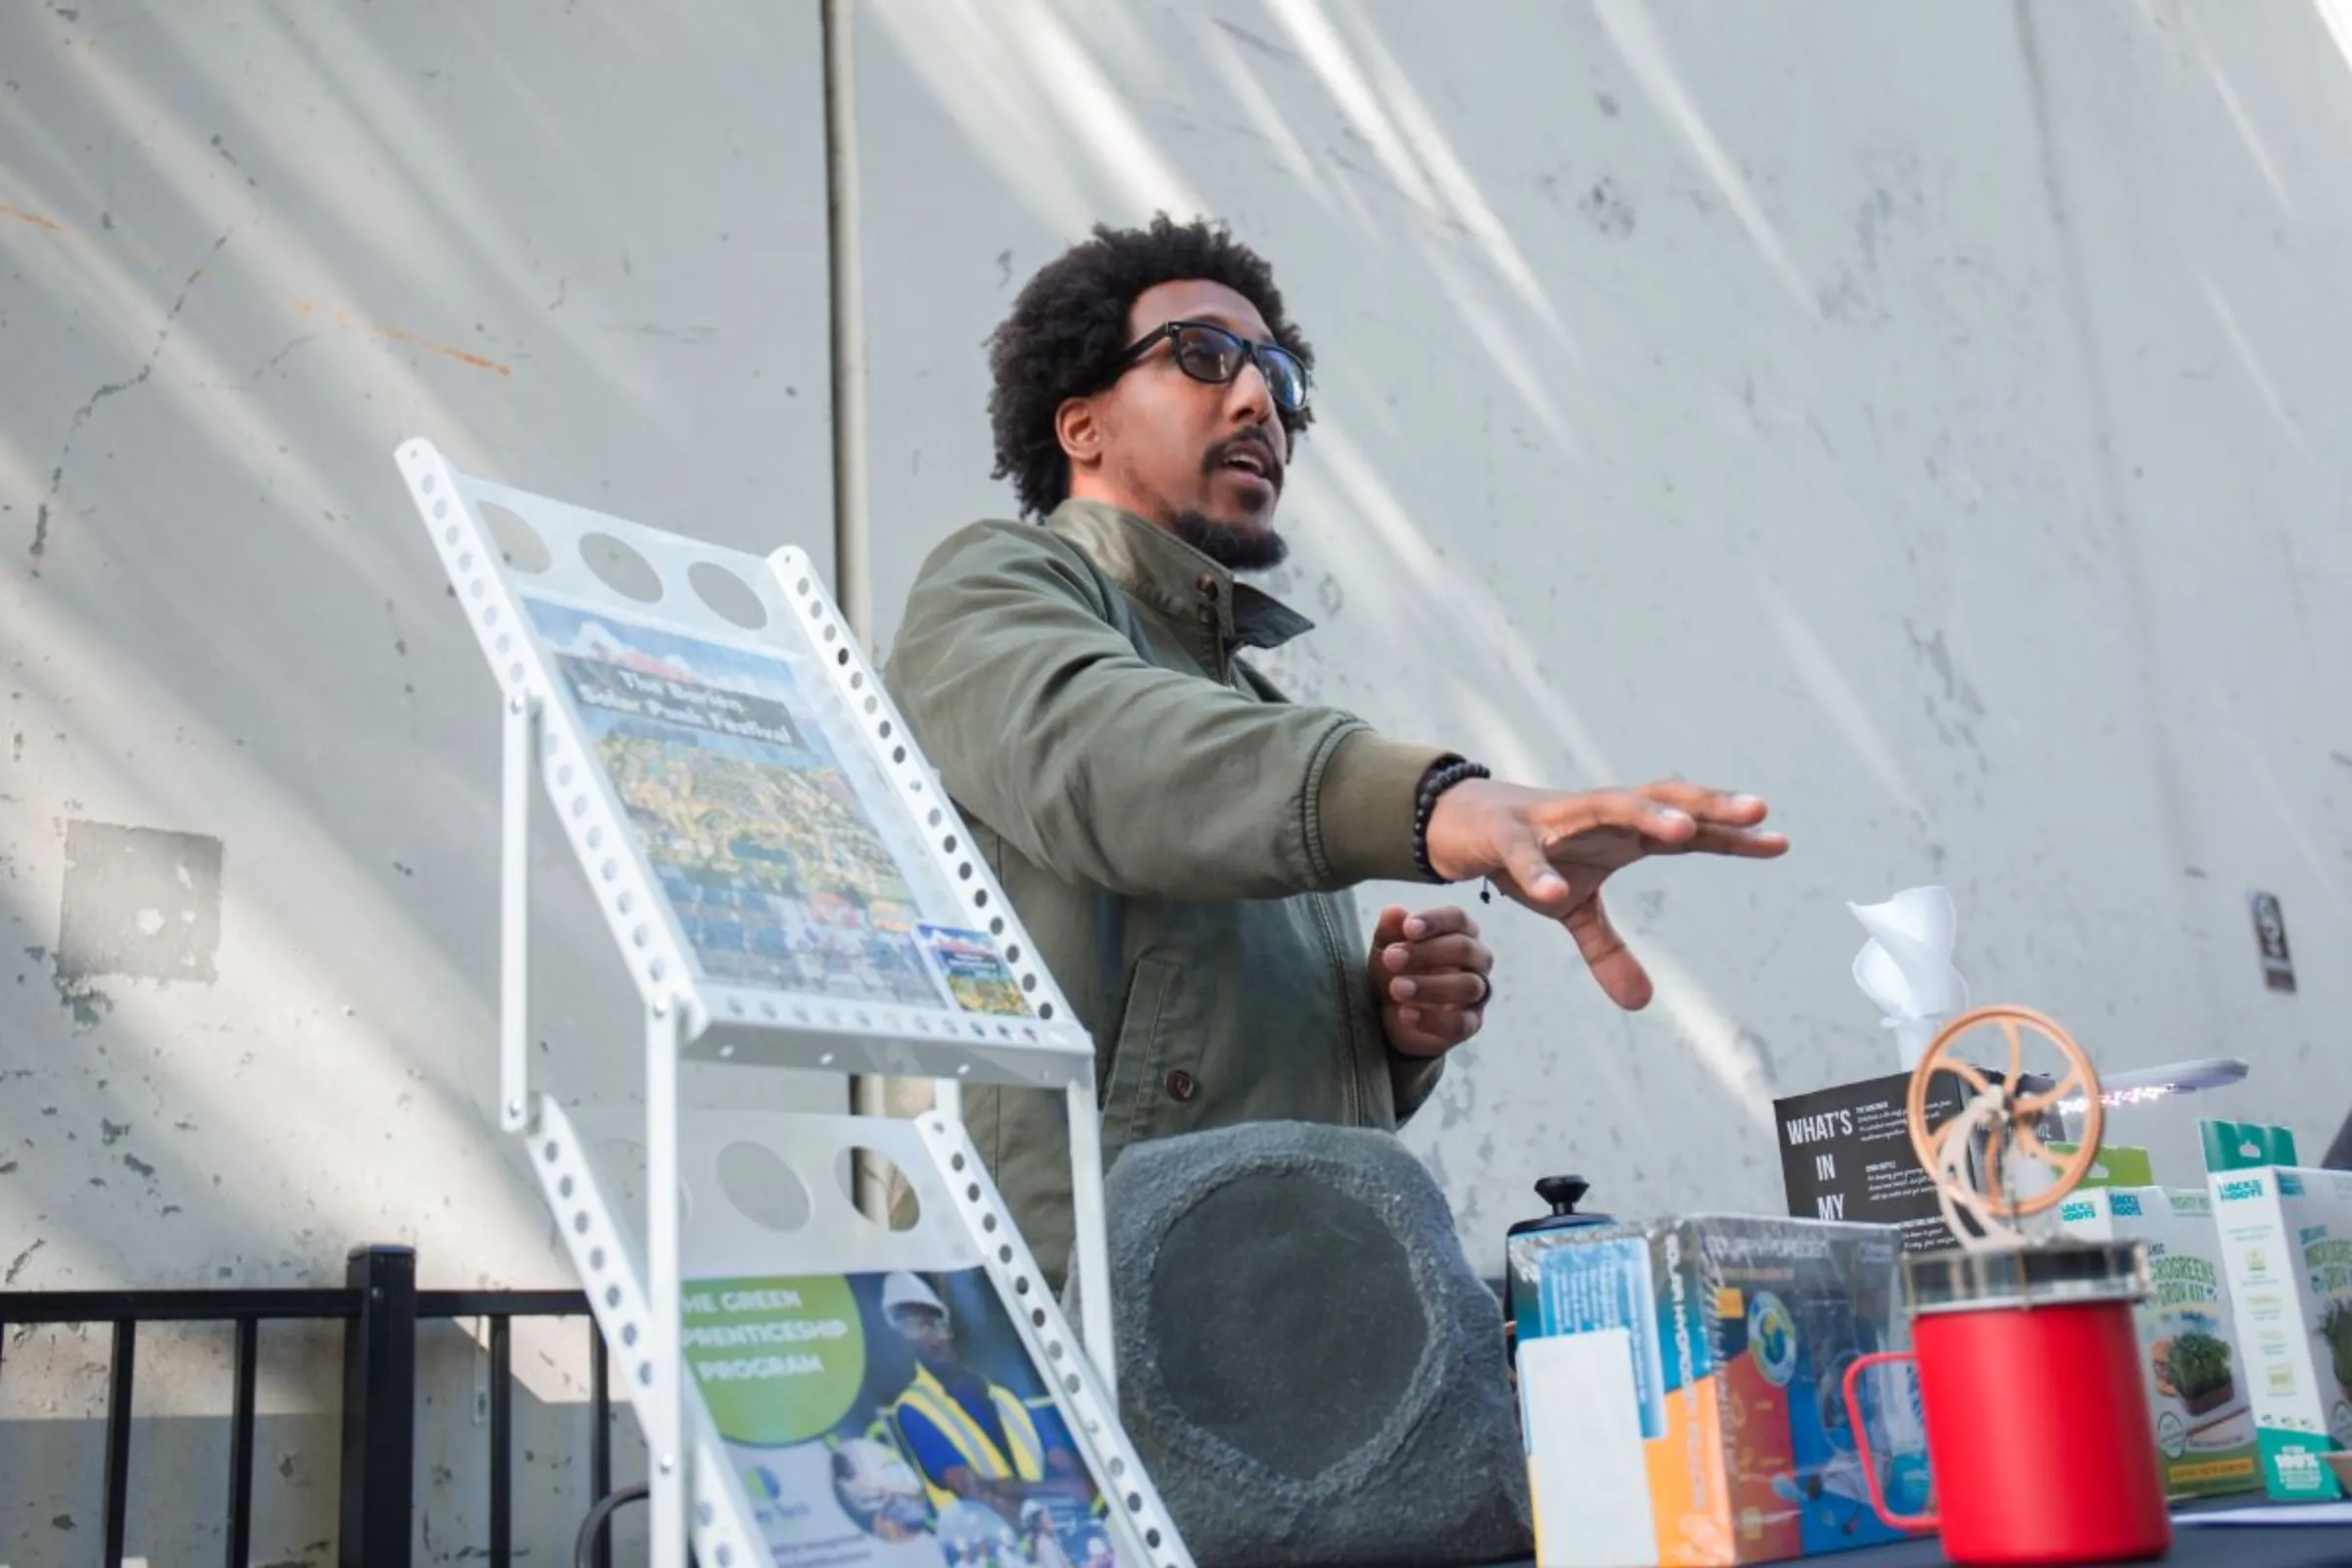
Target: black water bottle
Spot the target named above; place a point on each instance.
(1563, 1194)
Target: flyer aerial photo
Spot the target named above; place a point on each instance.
(780, 874)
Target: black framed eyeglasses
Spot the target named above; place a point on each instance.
(1208, 352)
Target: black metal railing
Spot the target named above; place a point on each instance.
(380, 1309)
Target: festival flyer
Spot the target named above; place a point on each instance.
(891, 1419)
(976, 976)
(781, 873)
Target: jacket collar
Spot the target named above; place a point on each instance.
(1161, 571)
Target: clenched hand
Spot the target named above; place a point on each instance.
(1429, 978)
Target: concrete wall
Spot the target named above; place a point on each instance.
(244, 249)
(1928, 415)
(1924, 414)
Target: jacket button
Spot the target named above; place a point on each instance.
(1209, 614)
(1208, 584)
(1182, 1086)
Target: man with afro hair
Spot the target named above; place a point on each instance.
(1180, 839)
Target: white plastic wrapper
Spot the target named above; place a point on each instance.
(1906, 967)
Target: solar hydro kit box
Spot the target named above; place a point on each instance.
(2191, 1359)
(1682, 1389)
(2286, 1245)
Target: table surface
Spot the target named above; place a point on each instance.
(2193, 1546)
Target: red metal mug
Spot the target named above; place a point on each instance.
(2040, 1441)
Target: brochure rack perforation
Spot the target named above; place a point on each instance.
(687, 707)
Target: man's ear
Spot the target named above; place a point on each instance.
(1078, 425)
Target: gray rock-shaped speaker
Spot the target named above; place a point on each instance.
(1309, 1366)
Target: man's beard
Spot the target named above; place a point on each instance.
(1234, 548)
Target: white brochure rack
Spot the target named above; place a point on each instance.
(788, 886)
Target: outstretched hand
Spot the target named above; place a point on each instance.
(1551, 851)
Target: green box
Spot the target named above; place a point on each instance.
(2196, 1373)
(2286, 1244)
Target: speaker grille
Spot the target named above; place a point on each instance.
(1299, 1345)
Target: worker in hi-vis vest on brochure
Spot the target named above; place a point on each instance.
(970, 1436)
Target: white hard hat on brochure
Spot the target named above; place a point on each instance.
(901, 1289)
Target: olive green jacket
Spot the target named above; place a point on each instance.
(1177, 837)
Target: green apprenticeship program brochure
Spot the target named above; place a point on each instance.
(891, 1419)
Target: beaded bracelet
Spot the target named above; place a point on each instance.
(1443, 775)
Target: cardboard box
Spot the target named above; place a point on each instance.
(2196, 1373)
(2287, 1246)
(1682, 1389)
(2113, 1165)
